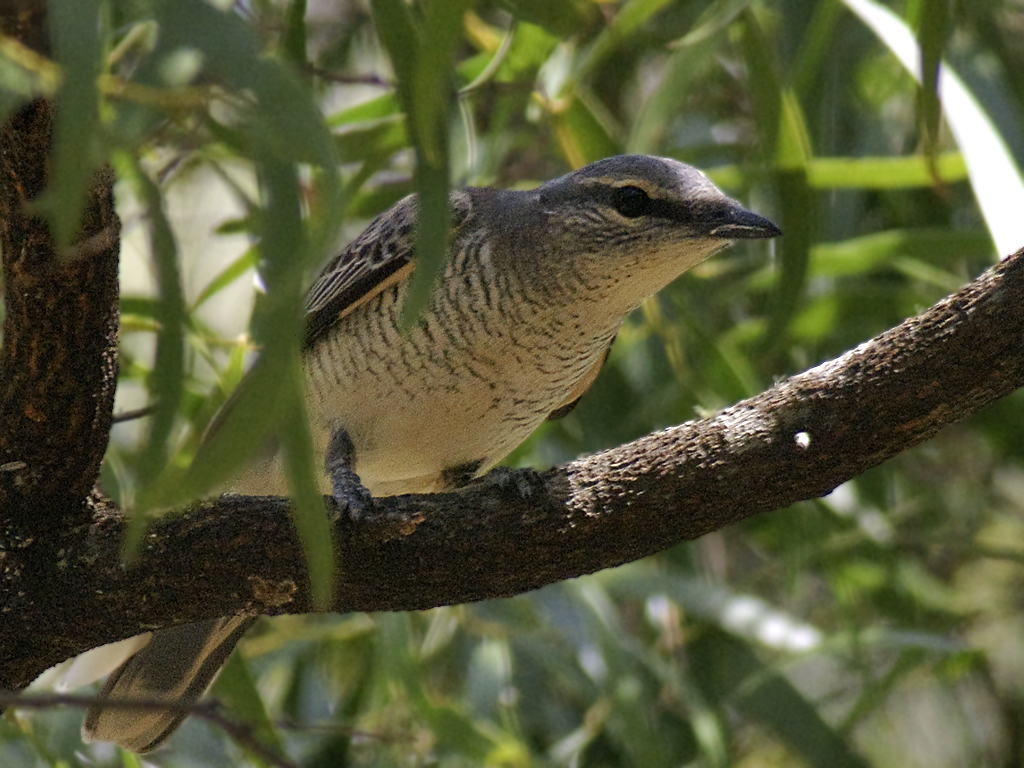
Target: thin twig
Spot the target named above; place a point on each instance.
(138, 413)
(334, 77)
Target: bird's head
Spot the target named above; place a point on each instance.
(630, 224)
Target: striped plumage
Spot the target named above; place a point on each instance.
(536, 287)
(534, 290)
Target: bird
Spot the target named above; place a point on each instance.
(535, 286)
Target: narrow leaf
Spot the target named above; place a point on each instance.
(293, 41)
(582, 137)
(934, 25)
(884, 172)
(422, 53)
(236, 689)
(76, 151)
(727, 669)
(563, 18)
(227, 276)
(278, 327)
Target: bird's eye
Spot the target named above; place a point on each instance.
(631, 202)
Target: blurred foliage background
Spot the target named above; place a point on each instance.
(879, 626)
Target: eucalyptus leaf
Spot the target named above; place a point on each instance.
(77, 150)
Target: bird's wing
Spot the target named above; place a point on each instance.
(382, 256)
(379, 258)
(573, 397)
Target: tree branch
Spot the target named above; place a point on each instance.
(58, 364)
(797, 441)
(59, 356)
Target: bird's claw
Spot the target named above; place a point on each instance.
(351, 496)
(525, 482)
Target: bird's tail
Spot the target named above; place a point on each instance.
(176, 667)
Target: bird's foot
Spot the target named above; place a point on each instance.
(526, 483)
(351, 496)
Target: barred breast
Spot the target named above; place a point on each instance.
(442, 403)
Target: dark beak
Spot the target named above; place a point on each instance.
(737, 223)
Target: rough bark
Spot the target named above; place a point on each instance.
(58, 364)
(59, 354)
(796, 441)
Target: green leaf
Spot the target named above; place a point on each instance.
(793, 152)
(729, 672)
(859, 255)
(582, 136)
(432, 87)
(377, 139)
(433, 100)
(933, 30)
(227, 276)
(797, 204)
(455, 731)
(282, 128)
(563, 18)
(301, 467)
(815, 46)
(398, 35)
(766, 89)
(138, 305)
(431, 239)
(370, 202)
(927, 273)
(236, 689)
(293, 41)
(169, 368)
(277, 326)
(422, 52)
(885, 172)
(383, 106)
(77, 47)
(783, 127)
(271, 398)
(235, 437)
(167, 381)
